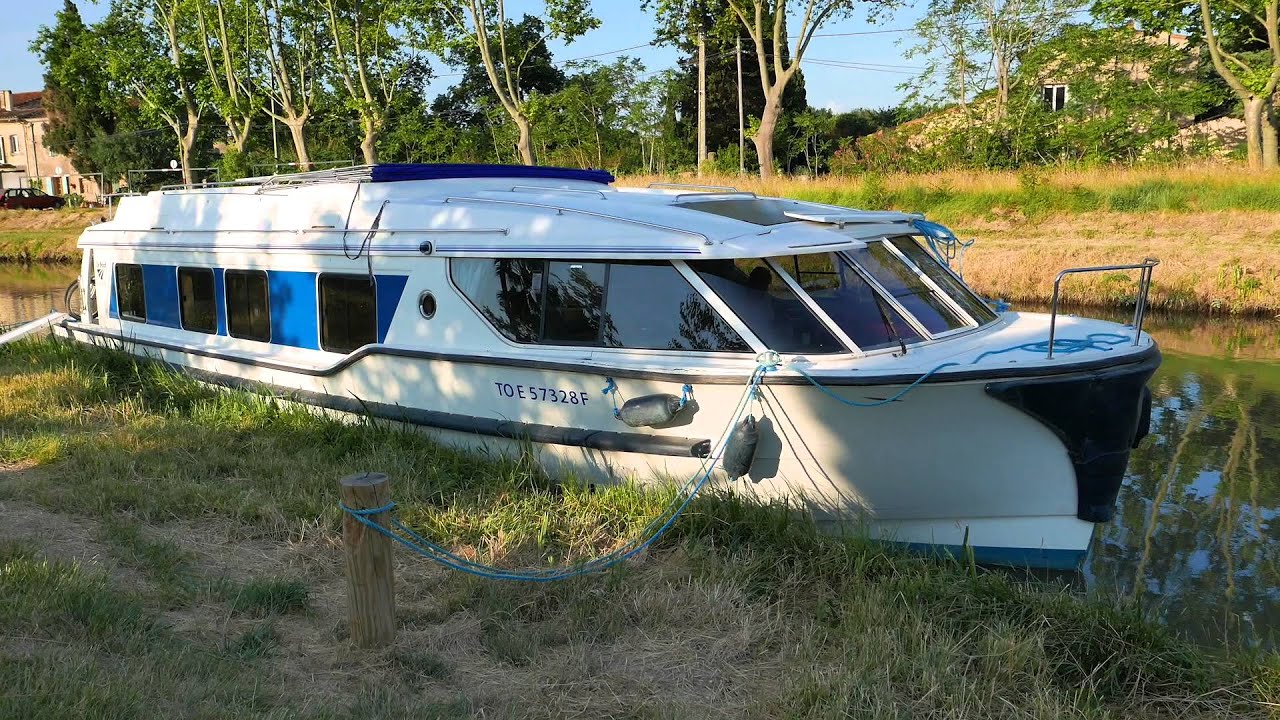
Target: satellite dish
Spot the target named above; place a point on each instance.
(58, 171)
(173, 164)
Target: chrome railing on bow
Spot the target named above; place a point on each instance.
(1139, 312)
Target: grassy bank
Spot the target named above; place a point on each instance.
(43, 236)
(1216, 229)
(171, 550)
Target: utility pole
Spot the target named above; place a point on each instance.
(702, 101)
(742, 131)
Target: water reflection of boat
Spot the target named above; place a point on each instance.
(493, 304)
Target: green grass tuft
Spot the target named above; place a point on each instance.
(270, 596)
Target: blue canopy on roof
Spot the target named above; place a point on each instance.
(442, 171)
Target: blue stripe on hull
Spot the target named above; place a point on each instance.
(1036, 558)
(220, 300)
(390, 288)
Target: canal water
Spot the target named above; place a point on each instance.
(1197, 534)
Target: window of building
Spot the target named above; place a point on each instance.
(768, 306)
(15, 145)
(847, 298)
(641, 305)
(131, 298)
(1055, 97)
(348, 312)
(248, 305)
(907, 287)
(196, 300)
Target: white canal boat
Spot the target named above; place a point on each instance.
(616, 329)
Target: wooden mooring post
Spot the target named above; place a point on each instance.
(370, 577)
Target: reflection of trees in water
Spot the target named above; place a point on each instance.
(701, 328)
(1196, 528)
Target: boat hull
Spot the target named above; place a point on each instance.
(947, 466)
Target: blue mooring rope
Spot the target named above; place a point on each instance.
(766, 362)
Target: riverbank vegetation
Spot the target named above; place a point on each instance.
(171, 549)
(46, 236)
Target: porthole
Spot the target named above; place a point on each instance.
(427, 305)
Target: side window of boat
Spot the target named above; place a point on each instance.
(348, 312)
(248, 305)
(651, 306)
(642, 305)
(195, 292)
(130, 295)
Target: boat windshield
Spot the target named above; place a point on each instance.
(891, 293)
(766, 303)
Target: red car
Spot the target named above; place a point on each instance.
(30, 199)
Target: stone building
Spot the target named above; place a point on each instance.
(24, 160)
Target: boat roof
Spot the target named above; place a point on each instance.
(486, 210)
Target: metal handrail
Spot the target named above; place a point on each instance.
(543, 188)
(691, 186)
(1139, 312)
(712, 194)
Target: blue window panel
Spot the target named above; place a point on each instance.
(294, 319)
(115, 307)
(390, 288)
(220, 300)
(160, 285)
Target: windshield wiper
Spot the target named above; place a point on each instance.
(888, 324)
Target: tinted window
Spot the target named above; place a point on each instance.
(574, 302)
(650, 305)
(941, 276)
(507, 292)
(248, 305)
(767, 305)
(130, 296)
(348, 312)
(905, 285)
(645, 305)
(847, 298)
(195, 293)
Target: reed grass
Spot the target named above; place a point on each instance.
(744, 610)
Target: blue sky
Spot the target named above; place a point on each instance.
(623, 24)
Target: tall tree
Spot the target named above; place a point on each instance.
(76, 93)
(1242, 38)
(766, 22)
(230, 34)
(294, 46)
(453, 24)
(150, 57)
(974, 45)
(368, 56)
(679, 22)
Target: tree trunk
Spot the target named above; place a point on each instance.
(1270, 151)
(525, 143)
(1002, 87)
(299, 144)
(1253, 119)
(764, 135)
(369, 146)
(185, 148)
(240, 134)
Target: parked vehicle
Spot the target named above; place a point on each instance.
(30, 199)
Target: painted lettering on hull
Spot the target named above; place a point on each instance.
(534, 393)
